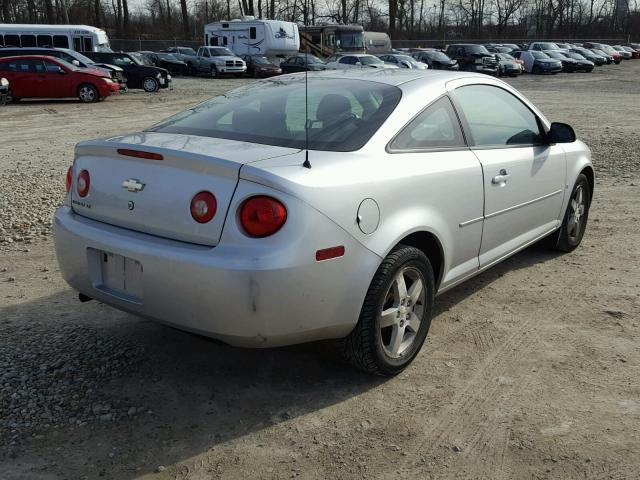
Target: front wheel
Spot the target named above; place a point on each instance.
(574, 224)
(396, 314)
(536, 70)
(87, 93)
(214, 72)
(150, 85)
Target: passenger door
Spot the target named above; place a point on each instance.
(57, 80)
(442, 181)
(524, 176)
(23, 77)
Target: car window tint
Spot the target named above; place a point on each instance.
(51, 67)
(496, 117)
(436, 127)
(340, 115)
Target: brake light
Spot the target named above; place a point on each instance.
(69, 179)
(140, 154)
(262, 216)
(203, 206)
(83, 183)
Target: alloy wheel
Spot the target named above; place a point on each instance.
(402, 312)
(87, 94)
(576, 215)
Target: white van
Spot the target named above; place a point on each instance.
(248, 36)
(81, 38)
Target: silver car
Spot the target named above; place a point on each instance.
(265, 217)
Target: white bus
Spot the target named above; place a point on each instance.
(80, 38)
(248, 36)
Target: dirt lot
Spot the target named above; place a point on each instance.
(530, 371)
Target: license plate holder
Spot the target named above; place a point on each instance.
(118, 275)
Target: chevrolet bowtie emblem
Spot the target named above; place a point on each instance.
(133, 185)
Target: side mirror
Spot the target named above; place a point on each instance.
(76, 63)
(61, 70)
(561, 133)
(358, 63)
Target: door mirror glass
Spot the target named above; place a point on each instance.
(561, 133)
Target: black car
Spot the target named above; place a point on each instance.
(71, 56)
(584, 65)
(436, 60)
(568, 64)
(259, 66)
(5, 91)
(139, 75)
(165, 60)
(589, 55)
(473, 58)
(302, 63)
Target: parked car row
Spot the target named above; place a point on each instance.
(43, 72)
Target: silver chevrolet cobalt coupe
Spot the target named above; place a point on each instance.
(287, 212)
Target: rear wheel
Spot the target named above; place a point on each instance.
(150, 84)
(87, 93)
(396, 314)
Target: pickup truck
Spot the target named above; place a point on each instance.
(215, 61)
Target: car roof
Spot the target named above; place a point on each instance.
(394, 76)
(19, 57)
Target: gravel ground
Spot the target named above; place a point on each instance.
(543, 385)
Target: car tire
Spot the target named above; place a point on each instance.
(387, 350)
(87, 93)
(574, 224)
(536, 70)
(150, 84)
(214, 72)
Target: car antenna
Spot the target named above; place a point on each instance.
(306, 163)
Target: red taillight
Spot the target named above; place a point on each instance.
(203, 207)
(140, 154)
(83, 183)
(69, 179)
(262, 216)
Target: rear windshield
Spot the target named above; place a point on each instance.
(341, 114)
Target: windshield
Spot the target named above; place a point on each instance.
(476, 49)
(507, 57)
(81, 58)
(167, 56)
(104, 47)
(575, 56)
(439, 56)
(548, 46)
(66, 64)
(187, 51)
(221, 52)
(349, 40)
(261, 60)
(557, 55)
(370, 60)
(342, 114)
(407, 58)
(538, 54)
(313, 59)
(141, 59)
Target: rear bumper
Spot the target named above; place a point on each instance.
(261, 298)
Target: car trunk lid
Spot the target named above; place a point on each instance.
(154, 196)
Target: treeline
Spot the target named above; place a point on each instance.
(403, 19)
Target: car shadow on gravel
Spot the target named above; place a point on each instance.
(151, 395)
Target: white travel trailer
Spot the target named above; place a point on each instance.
(248, 36)
(81, 38)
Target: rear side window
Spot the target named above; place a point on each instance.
(338, 115)
(496, 117)
(436, 126)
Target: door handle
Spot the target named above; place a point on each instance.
(501, 179)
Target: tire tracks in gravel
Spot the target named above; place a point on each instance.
(464, 417)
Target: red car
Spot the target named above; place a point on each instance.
(39, 76)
